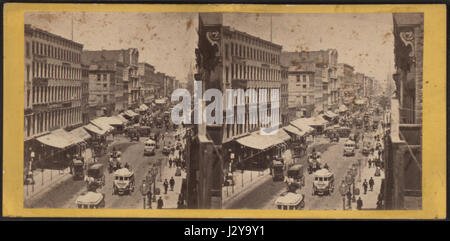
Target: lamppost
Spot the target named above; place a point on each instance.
(154, 172)
(144, 191)
(349, 181)
(343, 189)
(354, 172)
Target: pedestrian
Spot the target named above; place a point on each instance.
(160, 203)
(359, 203)
(149, 197)
(365, 186)
(172, 183)
(170, 161)
(370, 162)
(371, 183)
(166, 185)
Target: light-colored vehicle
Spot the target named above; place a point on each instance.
(349, 148)
(323, 182)
(123, 182)
(91, 200)
(290, 201)
(149, 147)
(367, 146)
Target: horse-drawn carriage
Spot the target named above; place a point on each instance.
(114, 162)
(314, 162)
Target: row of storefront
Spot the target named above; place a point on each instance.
(56, 150)
(257, 150)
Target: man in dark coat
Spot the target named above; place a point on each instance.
(172, 183)
(371, 183)
(166, 185)
(160, 203)
(365, 186)
(359, 204)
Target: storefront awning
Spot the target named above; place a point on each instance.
(94, 129)
(360, 102)
(160, 101)
(102, 123)
(343, 108)
(316, 121)
(331, 114)
(143, 107)
(120, 117)
(278, 133)
(303, 125)
(112, 120)
(81, 133)
(259, 142)
(294, 130)
(130, 113)
(60, 139)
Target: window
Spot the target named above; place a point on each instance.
(298, 78)
(99, 77)
(105, 98)
(304, 78)
(226, 52)
(304, 99)
(226, 74)
(27, 49)
(28, 72)
(304, 86)
(105, 86)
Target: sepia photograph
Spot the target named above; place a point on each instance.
(263, 111)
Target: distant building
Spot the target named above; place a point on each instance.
(147, 77)
(125, 64)
(284, 100)
(321, 68)
(346, 80)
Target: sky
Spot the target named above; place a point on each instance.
(168, 40)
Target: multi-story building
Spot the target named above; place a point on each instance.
(302, 90)
(102, 86)
(346, 80)
(85, 93)
(124, 63)
(321, 67)
(360, 85)
(160, 81)
(52, 77)
(230, 59)
(147, 78)
(284, 100)
(403, 152)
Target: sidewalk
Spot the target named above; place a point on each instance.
(370, 199)
(46, 179)
(243, 182)
(171, 198)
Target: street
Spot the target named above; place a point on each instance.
(264, 196)
(65, 194)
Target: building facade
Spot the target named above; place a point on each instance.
(85, 93)
(302, 90)
(124, 64)
(403, 155)
(229, 59)
(102, 86)
(284, 100)
(345, 73)
(147, 78)
(321, 69)
(53, 76)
